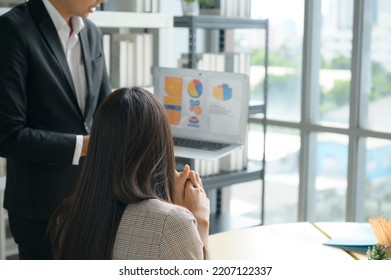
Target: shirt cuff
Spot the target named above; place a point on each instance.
(78, 148)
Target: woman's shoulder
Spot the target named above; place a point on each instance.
(163, 218)
(158, 209)
(158, 206)
(155, 229)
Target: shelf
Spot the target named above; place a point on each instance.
(254, 171)
(131, 20)
(224, 222)
(218, 22)
(126, 19)
(256, 107)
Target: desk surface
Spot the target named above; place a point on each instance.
(280, 241)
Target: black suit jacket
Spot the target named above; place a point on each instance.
(39, 113)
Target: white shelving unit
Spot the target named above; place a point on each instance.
(105, 19)
(156, 23)
(255, 170)
(131, 20)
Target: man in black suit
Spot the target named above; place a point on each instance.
(52, 78)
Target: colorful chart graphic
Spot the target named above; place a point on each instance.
(173, 100)
(173, 106)
(173, 86)
(222, 93)
(195, 88)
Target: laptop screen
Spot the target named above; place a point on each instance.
(204, 105)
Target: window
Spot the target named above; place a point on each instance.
(336, 49)
(284, 105)
(285, 55)
(377, 187)
(328, 141)
(331, 176)
(376, 104)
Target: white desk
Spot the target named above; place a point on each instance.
(280, 241)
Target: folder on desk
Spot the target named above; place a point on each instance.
(357, 240)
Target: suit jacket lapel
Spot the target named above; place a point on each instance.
(49, 33)
(54, 43)
(85, 47)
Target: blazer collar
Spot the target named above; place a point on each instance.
(49, 33)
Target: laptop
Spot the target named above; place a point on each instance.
(207, 110)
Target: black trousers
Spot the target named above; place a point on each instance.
(31, 237)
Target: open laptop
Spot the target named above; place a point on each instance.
(208, 110)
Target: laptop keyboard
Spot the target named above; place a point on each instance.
(197, 144)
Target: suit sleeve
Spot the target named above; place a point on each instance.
(17, 139)
(180, 239)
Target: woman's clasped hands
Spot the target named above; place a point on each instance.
(189, 193)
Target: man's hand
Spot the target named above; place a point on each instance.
(86, 140)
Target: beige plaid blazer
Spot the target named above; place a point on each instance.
(157, 230)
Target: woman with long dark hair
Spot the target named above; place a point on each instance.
(130, 202)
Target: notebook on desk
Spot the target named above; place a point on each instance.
(207, 110)
(358, 239)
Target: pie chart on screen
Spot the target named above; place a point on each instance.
(194, 88)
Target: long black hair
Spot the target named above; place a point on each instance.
(130, 158)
